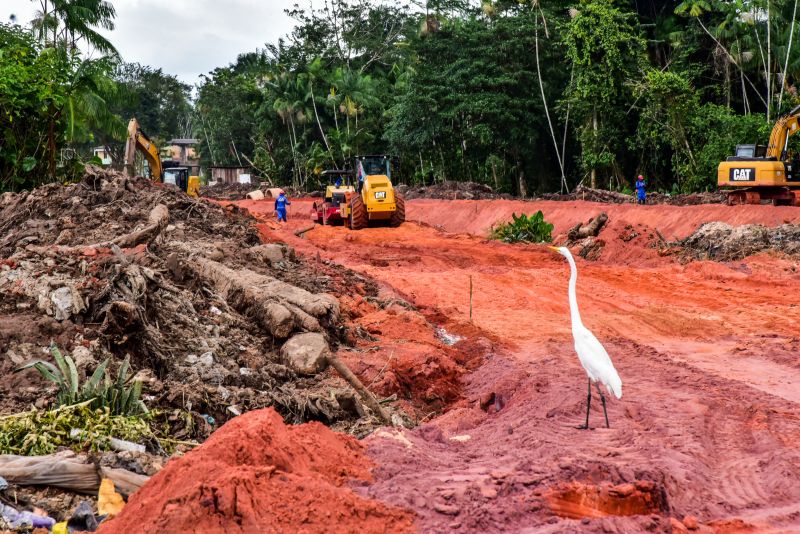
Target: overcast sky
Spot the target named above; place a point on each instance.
(184, 37)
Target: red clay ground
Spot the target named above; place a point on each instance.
(708, 424)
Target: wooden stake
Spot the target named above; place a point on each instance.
(470, 298)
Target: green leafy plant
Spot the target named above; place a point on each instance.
(79, 427)
(121, 396)
(525, 229)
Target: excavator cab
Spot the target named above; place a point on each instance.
(177, 176)
(770, 172)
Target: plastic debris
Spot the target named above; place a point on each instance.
(210, 420)
(3, 484)
(83, 519)
(62, 302)
(447, 338)
(109, 502)
(126, 446)
(14, 519)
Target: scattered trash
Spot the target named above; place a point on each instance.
(215, 311)
(126, 446)
(109, 502)
(83, 518)
(3, 484)
(11, 518)
(210, 420)
(447, 338)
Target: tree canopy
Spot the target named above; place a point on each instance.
(522, 95)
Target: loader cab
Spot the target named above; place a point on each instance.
(368, 166)
(339, 186)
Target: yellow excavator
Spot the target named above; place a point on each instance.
(179, 176)
(375, 200)
(759, 172)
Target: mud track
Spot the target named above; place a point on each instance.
(708, 425)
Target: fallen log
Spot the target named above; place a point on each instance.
(156, 222)
(299, 233)
(590, 229)
(66, 470)
(365, 394)
(279, 307)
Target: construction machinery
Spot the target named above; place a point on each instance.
(375, 200)
(338, 193)
(770, 172)
(138, 141)
(160, 171)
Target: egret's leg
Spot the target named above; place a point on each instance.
(588, 405)
(603, 400)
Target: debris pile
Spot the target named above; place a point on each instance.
(613, 197)
(115, 266)
(450, 190)
(722, 242)
(227, 191)
(256, 474)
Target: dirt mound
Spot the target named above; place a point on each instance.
(256, 475)
(722, 242)
(115, 266)
(224, 191)
(612, 197)
(450, 190)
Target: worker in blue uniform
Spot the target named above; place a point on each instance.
(641, 196)
(280, 206)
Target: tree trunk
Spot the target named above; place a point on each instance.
(319, 124)
(594, 128)
(788, 53)
(523, 187)
(769, 62)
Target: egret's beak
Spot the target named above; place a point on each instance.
(554, 249)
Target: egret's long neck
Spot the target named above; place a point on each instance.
(573, 299)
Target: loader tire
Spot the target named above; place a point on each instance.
(325, 221)
(399, 215)
(358, 214)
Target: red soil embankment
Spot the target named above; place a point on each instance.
(674, 222)
(255, 474)
(707, 352)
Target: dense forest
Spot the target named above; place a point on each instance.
(525, 96)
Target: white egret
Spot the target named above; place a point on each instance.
(591, 353)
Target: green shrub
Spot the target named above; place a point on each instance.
(78, 427)
(118, 396)
(525, 229)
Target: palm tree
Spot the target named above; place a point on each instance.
(86, 106)
(312, 74)
(288, 107)
(355, 93)
(73, 21)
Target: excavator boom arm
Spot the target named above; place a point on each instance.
(137, 140)
(785, 127)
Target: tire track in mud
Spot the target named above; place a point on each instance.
(718, 442)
